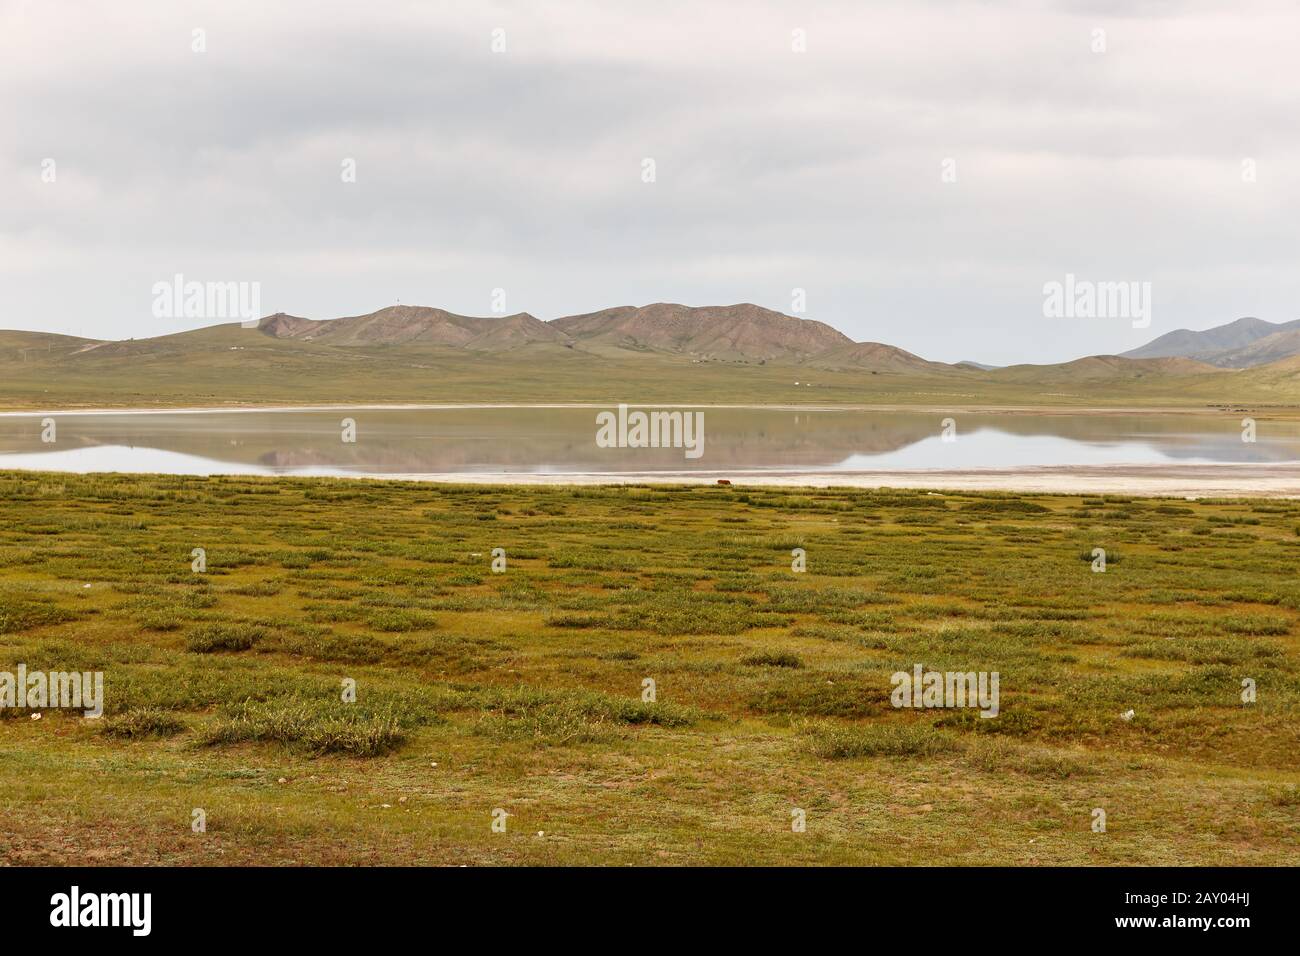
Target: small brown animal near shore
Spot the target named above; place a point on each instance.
(724, 481)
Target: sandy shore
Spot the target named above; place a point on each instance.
(1182, 481)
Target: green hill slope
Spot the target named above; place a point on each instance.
(231, 365)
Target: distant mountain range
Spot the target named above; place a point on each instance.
(735, 333)
(743, 332)
(418, 353)
(1244, 343)
(729, 333)
(404, 324)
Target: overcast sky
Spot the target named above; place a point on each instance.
(774, 169)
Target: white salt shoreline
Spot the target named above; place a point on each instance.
(1220, 480)
(1181, 481)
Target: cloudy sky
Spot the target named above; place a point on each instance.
(1171, 157)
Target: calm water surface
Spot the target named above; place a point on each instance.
(563, 441)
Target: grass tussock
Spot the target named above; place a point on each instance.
(773, 658)
(313, 727)
(574, 718)
(19, 614)
(143, 723)
(213, 638)
(842, 742)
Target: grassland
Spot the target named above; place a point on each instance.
(523, 690)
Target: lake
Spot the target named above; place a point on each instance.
(563, 440)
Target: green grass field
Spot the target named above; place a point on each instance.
(523, 690)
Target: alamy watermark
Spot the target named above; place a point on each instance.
(178, 299)
(1084, 299)
(75, 908)
(922, 688)
(40, 690)
(638, 429)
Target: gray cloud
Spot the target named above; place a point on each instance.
(776, 170)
